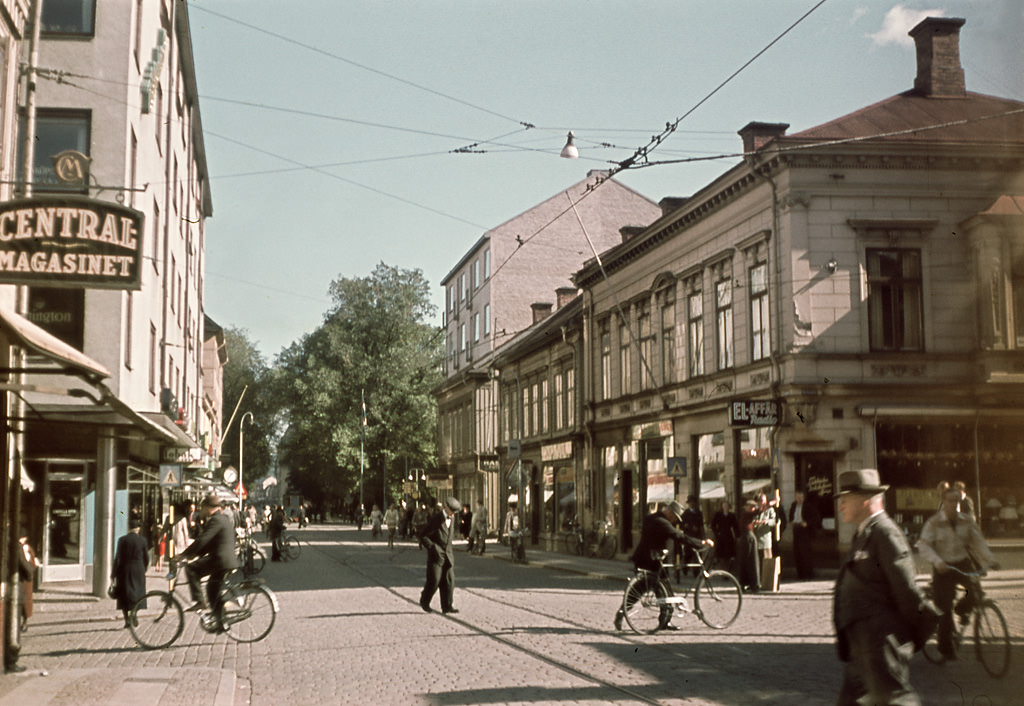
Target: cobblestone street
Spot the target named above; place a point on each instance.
(350, 630)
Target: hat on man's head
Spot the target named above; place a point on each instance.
(675, 508)
(134, 523)
(211, 500)
(453, 503)
(866, 481)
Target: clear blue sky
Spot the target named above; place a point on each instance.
(329, 124)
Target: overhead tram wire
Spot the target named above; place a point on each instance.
(364, 67)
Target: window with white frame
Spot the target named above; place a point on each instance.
(723, 323)
(646, 339)
(625, 379)
(760, 340)
(606, 360)
(487, 264)
(69, 17)
(668, 336)
(695, 334)
(487, 319)
(476, 326)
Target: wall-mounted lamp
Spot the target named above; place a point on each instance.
(832, 266)
(570, 151)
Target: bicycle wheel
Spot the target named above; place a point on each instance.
(607, 547)
(572, 543)
(258, 560)
(642, 603)
(290, 547)
(249, 612)
(992, 639)
(717, 599)
(156, 620)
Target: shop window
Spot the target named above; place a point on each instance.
(70, 17)
(709, 451)
(895, 316)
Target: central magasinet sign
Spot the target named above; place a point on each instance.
(70, 241)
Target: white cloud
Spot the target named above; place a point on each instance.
(900, 20)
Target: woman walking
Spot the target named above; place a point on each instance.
(129, 572)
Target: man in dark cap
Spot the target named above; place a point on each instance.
(436, 538)
(215, 547)
(877, 605)
(657, 535)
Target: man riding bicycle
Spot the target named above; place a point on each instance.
(657, 535)
(951, 539)
(215, 549)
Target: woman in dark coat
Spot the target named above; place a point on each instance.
(748, 559)
(129, 570)
(725, 528)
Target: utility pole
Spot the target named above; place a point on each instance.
(362, 446)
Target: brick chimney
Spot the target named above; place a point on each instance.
(564, 295)
(939, 73)
(541, 310)
(756, 135)
(630, 232)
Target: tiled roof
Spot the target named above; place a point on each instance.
(974, 118)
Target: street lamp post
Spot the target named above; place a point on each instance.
(241, 476)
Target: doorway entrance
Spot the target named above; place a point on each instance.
(64, 512)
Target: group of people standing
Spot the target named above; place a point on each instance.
(748, 544)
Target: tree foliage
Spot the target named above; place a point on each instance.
(246, 370)
(375, 345)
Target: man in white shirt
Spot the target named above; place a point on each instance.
(951, 538)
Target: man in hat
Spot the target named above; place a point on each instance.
(877, 604)
(657, 535)
(215, 549)
(436, 538)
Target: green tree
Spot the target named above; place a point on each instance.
(375, 344)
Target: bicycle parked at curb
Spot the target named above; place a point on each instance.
(598, 542)
(250, 556)
(991, 636)
(717, 597)
(250, 609)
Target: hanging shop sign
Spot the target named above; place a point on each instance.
(754, 413)
(70, 241)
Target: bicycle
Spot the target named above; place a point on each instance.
(290, 547)
(648, 601)
(250, 609)
(250, 556)
(598, 542)
(991, 636)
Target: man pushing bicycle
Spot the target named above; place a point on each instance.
(215, 552)
(951, 539)
(657, 535)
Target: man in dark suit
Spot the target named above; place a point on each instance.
(657, 535)
(805, 518)
(215, 547)
(876, 604)
(436, 538)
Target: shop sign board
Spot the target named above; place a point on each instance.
(554, 452)
(754, 413)
(489, 462)
(70, 241)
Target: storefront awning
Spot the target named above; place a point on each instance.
(22, 332)
(935, 411)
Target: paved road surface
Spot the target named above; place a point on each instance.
(350, 631)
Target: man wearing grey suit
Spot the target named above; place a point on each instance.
(437, 539)
(876, 604)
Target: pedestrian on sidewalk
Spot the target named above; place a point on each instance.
(391, 520)
(376, 517)
(806, 520)
(478, 528)
(129, 570)
(27, 565)
(725, 528)
(275, 530)
(437, 538)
